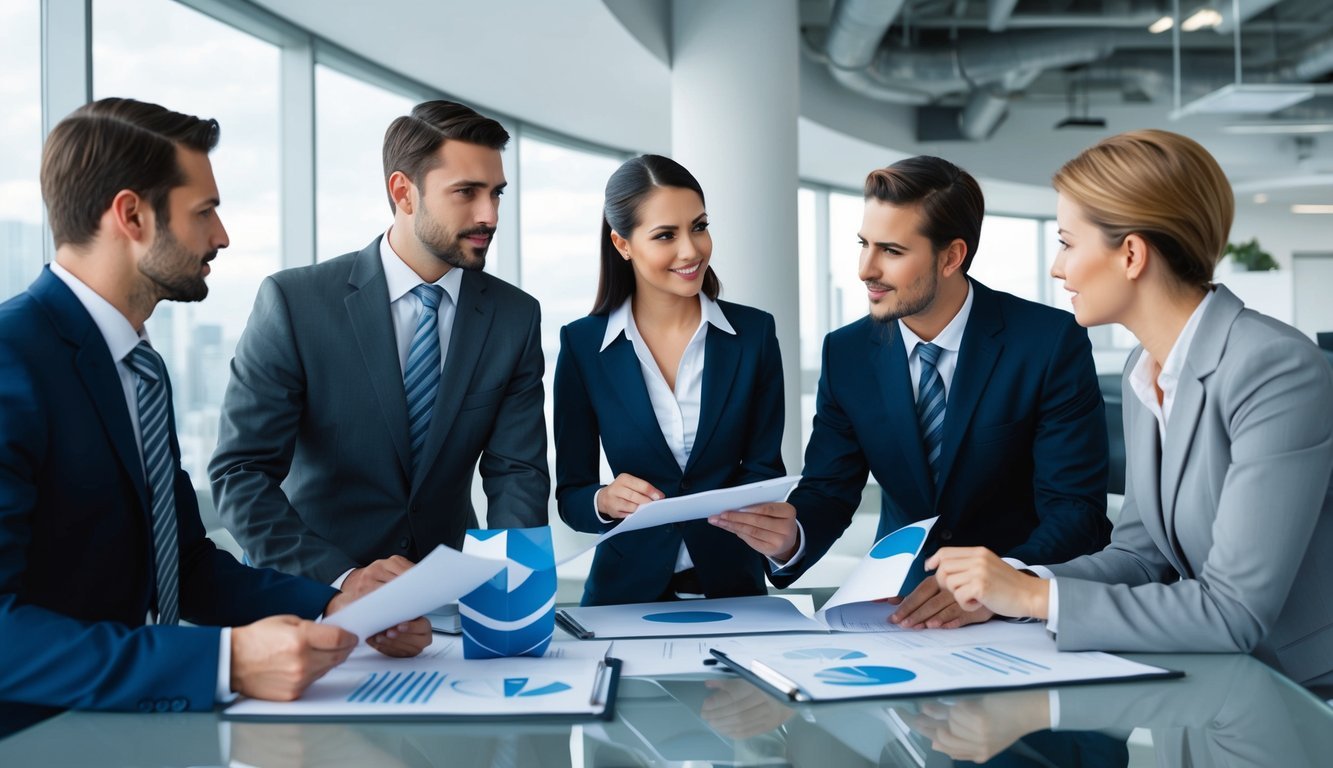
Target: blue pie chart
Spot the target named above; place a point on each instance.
(905, 541)
(863, 676)
(834, 654)
(687, 617)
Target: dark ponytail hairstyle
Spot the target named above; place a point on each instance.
(626, 190)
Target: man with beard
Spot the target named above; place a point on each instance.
(365, 389)
(102, 552)
(964, 402)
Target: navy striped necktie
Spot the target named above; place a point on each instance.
(930, 407)
(160, 466)
(421, 375)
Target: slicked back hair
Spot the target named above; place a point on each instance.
(111, 145)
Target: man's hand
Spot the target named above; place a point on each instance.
(931, 607)
(769, 529)
(373, 576)
(624, 495)
(279, 657)
(977, 577)
(406, 639)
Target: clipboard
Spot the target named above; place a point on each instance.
(788, 690)
(602, 706)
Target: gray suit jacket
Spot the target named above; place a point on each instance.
(313, 468)
(1225, 541)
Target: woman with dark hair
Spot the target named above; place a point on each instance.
(683, 391)
(1224, 539)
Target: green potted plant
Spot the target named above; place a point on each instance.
(1250, 256)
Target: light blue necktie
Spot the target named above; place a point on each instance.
(930, 407)
(421, 378)
(160, 465)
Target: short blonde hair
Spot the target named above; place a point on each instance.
(1162, 186)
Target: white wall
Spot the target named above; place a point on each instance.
(1281, 233)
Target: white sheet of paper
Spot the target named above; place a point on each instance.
(441, 577)
(880, 574)
(694, 618)
(698, 506)
(853, 666)
(444, 686)
(651, 657)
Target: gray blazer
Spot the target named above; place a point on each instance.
(1225, 541)
(313, 469)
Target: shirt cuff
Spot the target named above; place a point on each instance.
(338, 582)
(1053, 607)
(602, 518)
(223, 694)
(1053, 701)
(796, 558)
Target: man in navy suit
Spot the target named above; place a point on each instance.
(99, 526)
(966, 403)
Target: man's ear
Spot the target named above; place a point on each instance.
(954, 256)
(400, 191)
(130, 217)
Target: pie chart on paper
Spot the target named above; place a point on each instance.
(865, 675)
(904, 541)
(687, 617)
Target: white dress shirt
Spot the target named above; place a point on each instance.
(677, 411)
(405, 311)
(121, 339)
(1141, 381)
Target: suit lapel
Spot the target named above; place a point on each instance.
(368, 310)
(888, 359)
(977, 356)
(97, 371)
(1143, 449)
(472, 324)
(722, 356)
(620, 367)
(1201, 359)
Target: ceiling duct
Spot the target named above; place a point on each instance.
(856, 29)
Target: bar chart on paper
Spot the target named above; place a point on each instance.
(397, 688)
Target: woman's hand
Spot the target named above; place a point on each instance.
(624, 495)
(977, 577)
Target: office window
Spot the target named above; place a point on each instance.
(812, 324)
(559, 235)
(847, 292)
(21, 228)
(351, 116)
(164, 52)
(1007, 257)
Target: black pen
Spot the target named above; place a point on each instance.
(571, 625)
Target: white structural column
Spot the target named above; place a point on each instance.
(734, 108)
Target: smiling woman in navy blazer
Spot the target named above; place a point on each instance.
(683, 391)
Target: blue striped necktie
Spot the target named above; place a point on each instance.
(160, 465)
(421, 377)
(930, 407)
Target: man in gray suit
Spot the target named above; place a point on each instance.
(366, 388)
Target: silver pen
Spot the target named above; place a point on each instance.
(784, 684)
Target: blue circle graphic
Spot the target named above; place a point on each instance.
(862, 676)
(839, 654)
(687, 617)
(905, 541)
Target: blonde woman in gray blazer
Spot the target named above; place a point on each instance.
(1225, 542)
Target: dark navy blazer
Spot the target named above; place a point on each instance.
(76, 553)
(602, 394)
(1023, 464)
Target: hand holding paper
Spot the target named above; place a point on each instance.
(442, 577)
